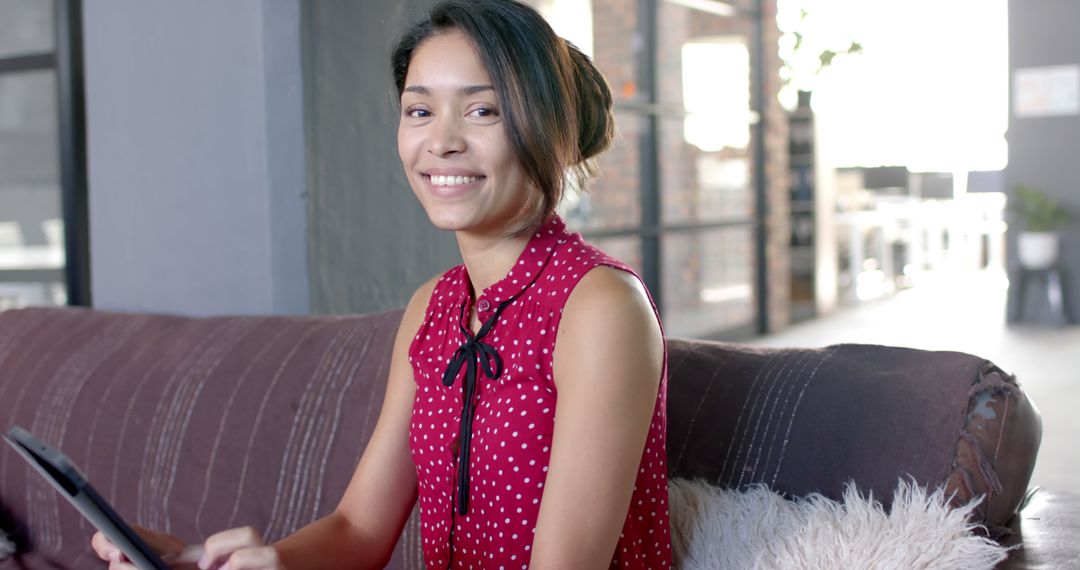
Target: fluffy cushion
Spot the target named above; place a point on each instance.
(718, 528)
(7, 547)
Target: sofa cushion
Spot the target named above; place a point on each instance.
(188, 425)
(805, 421)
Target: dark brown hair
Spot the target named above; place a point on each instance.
(556, 106)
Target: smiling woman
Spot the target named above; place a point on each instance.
(529, 78)
(525, 410)
(453, 141)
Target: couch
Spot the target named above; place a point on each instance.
(195, 425)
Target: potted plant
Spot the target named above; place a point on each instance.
(1040, 217)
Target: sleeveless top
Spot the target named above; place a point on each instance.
(481, 445)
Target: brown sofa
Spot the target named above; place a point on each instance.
(196, 425)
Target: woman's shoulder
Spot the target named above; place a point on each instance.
(609, 321)
(424, 294)
(597, 276)
(606, 288)
(442, 284)
(574, 252)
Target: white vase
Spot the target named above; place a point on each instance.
(1037, 250)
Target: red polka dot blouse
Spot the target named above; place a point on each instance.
(483, 417)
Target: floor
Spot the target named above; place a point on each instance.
(966, 312)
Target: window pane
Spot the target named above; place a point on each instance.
(708, 281)
(721, 7)
(26, 26)
(704, 75)
(31, 233)
(702, 58)
(701, 185)
(613, 199)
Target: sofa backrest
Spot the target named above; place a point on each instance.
(807, 421)
(196, 425)
(189, 425)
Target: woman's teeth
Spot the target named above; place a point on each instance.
(440, 180)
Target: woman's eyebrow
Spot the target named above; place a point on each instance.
(474, 89)
(467, 90)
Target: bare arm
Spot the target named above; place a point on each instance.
(607, 363)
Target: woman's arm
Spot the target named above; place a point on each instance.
(607, 365)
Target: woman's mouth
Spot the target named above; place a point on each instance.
(449, 185)
(441, 180)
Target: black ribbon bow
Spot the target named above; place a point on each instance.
(473, 350)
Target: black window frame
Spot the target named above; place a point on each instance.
(652, 227)
(66, 60)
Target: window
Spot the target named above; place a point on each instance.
(677, 195)
(38, 172)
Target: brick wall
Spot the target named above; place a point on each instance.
(776, 175)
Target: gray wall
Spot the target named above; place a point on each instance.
(369, 242)
(196, 156)
(1044, 152)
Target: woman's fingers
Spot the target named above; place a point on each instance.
(187, 558)
(164, 544)
(220, 546)
(101, 545)
(238, 549)
(158, 541)
(256, 558)
(105, 549)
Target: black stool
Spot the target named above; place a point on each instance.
(1053, 282)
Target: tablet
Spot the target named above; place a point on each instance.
(67, 480)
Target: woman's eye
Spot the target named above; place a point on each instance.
(484, 112)
(417, 113)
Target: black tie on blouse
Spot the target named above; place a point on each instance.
(471, 351)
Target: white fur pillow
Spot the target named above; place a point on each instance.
(7, 547)
(715, 529)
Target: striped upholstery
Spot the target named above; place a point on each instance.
(188, 425)
(808, 420)
(196, 425)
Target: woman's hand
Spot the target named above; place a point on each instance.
(165, 545)
(239, 549)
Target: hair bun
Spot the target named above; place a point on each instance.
(596, 119)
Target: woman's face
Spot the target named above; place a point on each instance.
(453, 143)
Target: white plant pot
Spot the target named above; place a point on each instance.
(1037, 250)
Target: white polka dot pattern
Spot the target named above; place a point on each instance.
(512, 429)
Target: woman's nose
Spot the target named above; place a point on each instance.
(446, 137)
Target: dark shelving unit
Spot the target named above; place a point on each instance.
(802, 194)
